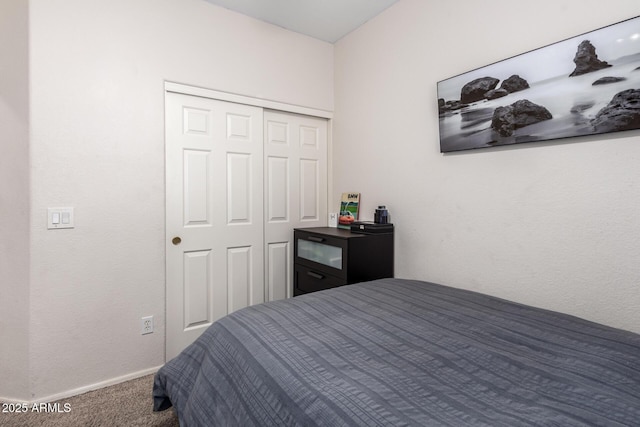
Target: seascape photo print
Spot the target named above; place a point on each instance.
(589, 84)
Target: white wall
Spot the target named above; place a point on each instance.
(14, 198)
(97, 144)
(551, 224)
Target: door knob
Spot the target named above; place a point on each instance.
(176, 240)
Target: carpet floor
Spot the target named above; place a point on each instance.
(126, 404)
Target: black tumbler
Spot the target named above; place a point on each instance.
(381, 216)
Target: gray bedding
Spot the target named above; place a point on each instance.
(403, 353)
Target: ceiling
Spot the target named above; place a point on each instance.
(327, 20)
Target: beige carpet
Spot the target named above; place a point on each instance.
(126, 404)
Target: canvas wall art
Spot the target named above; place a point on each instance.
(588, 84)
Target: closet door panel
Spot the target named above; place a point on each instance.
(295, 190)
(214, 213)
(239, 179)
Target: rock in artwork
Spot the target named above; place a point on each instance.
(564, 90)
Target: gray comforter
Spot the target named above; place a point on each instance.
(403, 353)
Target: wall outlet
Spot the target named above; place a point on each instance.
(146, 325)
(333, 219)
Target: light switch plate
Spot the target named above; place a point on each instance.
(59, 218)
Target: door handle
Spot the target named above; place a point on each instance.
(176, 241)
(315, 239)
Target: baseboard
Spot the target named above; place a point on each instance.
(84, 389)
(10, 400)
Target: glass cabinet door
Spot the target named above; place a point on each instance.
(320, 253)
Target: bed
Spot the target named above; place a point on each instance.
(396, 352)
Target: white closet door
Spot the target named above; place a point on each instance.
(214, 213)
(295, 190)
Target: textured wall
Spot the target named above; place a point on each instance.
(14, 199)
(550, 224)
(97, 144)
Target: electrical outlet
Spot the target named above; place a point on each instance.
(333, 219)
(146, 325)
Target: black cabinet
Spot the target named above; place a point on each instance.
(326, 257)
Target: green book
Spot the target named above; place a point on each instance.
(349, 204)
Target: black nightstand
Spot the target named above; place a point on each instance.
(326, 257)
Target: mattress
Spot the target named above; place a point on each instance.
(396, 352)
